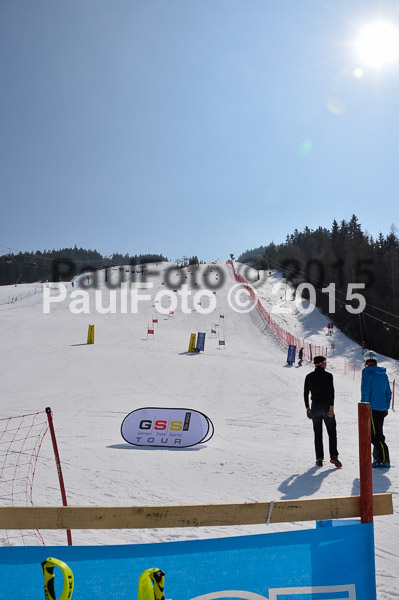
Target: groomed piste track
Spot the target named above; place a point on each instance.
(262, 447)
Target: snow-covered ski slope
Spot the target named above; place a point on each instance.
(262, 448)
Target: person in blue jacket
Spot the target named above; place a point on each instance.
(376, 390)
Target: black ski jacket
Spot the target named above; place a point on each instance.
(321, 387)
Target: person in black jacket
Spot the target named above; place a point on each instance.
(300, 357)
(320, 385)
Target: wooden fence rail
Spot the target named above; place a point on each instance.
(201, 515)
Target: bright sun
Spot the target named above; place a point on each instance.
(378, 44)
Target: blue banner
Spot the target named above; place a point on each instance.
(200, 342)
(291, 355)
(323, 563)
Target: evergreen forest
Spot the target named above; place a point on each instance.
(344, 256)
(62, 265)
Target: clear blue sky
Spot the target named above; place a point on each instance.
(191, 126)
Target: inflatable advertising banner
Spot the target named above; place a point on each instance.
(166, 427)
(326, 563)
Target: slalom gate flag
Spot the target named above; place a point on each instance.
(200, 342)
(191, 346)
(90, 334)
(166, 427)
(331, 563)
(291, 355)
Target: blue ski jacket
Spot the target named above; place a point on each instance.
(375, 388)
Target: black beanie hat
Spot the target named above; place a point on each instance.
(319, 360)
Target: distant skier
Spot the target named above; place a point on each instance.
(364, 347)
(376, 390)
(320, 385)
(300, 357)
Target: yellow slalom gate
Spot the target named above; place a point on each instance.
(191, 347)
(151, 585)
(151, 582)
(48, 572)
(90, 335)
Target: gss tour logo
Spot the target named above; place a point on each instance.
(166, 427)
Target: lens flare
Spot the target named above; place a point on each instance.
(335, 106)
(306, 147)
(378, 44)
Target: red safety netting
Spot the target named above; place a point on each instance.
(285, 337)
(20, 441)
(350, 369)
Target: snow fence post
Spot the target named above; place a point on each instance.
(58, 464)
(365, 469)
(393, 395)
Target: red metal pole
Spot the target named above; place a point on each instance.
(366, 476)
(58, 464)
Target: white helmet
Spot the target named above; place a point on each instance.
(370, 355)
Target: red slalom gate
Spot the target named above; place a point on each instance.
(365, 469)
(58, 464)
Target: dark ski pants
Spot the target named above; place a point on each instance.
(318, 416)
(380, 449)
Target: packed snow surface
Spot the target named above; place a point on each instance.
(262, 448)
